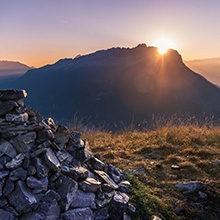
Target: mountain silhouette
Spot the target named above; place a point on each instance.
(11, 70)
(119, 84)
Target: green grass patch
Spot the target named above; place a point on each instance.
(147, 204)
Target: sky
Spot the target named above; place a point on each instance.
(38, 32)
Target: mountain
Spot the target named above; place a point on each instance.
(209, 68)
(119, 85)
(11, 70)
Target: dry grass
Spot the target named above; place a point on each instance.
(195, 149)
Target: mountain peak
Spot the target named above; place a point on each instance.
(141, 45)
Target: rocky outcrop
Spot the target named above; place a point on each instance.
(48, 172)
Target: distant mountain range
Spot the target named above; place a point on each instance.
(119, 85)
(209, 68)
(11, 70)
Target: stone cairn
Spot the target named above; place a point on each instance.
(48, 172)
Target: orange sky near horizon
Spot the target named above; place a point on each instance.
(41, 32)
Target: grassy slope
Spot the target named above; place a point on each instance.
(195, 149)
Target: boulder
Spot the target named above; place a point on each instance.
(66, 188)
(191, 187)
(22, 199)
(82, 200)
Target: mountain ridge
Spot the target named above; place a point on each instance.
(137, 81)
(11, 70)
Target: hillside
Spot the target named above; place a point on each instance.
(209, 68)
(119, 85)
(162, 158)
(11, 70)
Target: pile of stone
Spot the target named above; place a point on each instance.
(48, 172)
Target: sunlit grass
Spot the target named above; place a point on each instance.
(196, 150)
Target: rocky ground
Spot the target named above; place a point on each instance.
(174, 171)
(48, 172)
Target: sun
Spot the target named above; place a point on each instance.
(163, 44)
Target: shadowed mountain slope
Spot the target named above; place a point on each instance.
(11, 70)
(119, 84)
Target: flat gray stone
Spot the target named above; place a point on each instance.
(61, 136)
(82, 153)
(7, 148)
(82, 200)
(48, 209)
(22, 199)
(51, 159)
(17, 174)
(37, 185)
(106, 178)
(15, 162)
(19, 145)
(79, 214)
(9, 187)
(18, 119)
(96, 164)
(118, 205)
(44, 135)
(64, 156)
(41, 168)
(190, 187)
(78, 173)
(28, 137)
(67, 188)
(124, 186)
(50, 122)
(90, 185)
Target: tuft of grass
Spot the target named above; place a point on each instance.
(147, 204)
